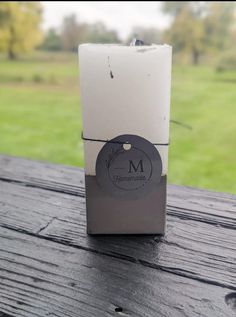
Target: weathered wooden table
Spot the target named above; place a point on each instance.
(50, 267)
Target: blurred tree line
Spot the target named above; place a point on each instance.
(20, 30)
(72, 32)
(197, 29)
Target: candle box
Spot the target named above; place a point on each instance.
(125, 97)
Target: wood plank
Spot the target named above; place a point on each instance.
(43, 278)
(42, 174)
(184, 202)
(202, 205)
(190, 248)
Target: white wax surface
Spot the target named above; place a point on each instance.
(124, 90)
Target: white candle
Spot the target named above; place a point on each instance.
(125, 90)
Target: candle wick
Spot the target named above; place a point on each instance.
(137, 42)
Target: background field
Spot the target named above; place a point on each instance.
(40, 118)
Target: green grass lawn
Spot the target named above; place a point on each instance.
(40, 118)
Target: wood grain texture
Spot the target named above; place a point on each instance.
(42, 175)
(190, 248)
(43, 278)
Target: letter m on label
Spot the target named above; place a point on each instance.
(137, 168)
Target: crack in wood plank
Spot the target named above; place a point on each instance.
(46, 225)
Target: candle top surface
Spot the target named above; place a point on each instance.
(138, 48)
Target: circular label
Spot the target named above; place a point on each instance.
(128, 167)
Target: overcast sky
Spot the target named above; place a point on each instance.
(119, 15)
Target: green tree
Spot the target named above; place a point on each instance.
(186, 32)
(219, 25)
(98, 33)
(19, 27)
(199, 27)
(52, 41)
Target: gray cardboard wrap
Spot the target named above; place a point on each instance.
(107, 215)
(128, 194)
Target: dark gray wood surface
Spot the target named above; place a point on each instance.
(50, 267)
